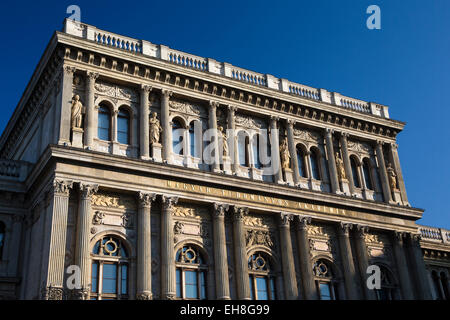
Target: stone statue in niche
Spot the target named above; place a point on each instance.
(285, 156)
(155, 129)
(340, 167)
(392, 177)
(224, 141)
(77, 112)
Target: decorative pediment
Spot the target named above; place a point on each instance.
(186, 107)
(249, 122)
(307, 135)
(359, 147)
(115, 91)
(259, 237)
(257, 221)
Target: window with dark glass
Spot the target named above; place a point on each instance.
(190, 274)
(177, 137)
(109, 271)
(261, 277)
(242, 149)
(367, 176)
(386, 292)
(315, 171)
(355, 174)
(104, 123)
(123, 126)
(301, 162)
(2, 239)
(255, 149)
(192, 140)
(325, 280)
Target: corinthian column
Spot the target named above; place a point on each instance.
(332, 161)
(363, 259)
(240, 254)
(212, 119)
(220, 252)
(82, 253)
(393, 155)
(275, 150)
(347, 261)
(144, 247)
(166, 126)
(232, 143)
(144, 126)
(418, 270)
(168, 284)
(383, 173)
(402, 266)
(90, 109)
(293, 150)
(54, 249)
(346, 160)
(306, 268)
(290, 280)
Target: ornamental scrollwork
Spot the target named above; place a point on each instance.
(259, 237)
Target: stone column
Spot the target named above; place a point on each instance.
(144, 130)
(212, 120)
(220, 252)
(346, 160)
(275, 150)
(383, 173)
(55, 246)
(82, 253)
(334, 181)
(292, 150)
(306, 268)
(90, 109)
(418, 270)
(166, 126)
(240, 254)
(393, 155)
(363, 259)
(232, 137)
(347, 261)
(402, 266)
(290, 279)
(168, 284)
(63, 114)
(144, 247)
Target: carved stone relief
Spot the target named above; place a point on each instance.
(115, 91)
(259, 237)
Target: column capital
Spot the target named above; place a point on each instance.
(87, 190)
(285, 219)
(231, 108)
(302, 222)
(166, 93)
(92, 75)
(345, 135)
(399, 236)
(219, 210)
(329, 132)
(290, 123)
(69, 70)
(62, 187)
(145, 199)
(394, 145)
(344, 228)
(415, 238)
(146, 88)
(380, 142)
(213, 104)
(361, 230)
(169, 201)
(239, 213)
(274, 119)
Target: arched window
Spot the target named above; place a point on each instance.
(242, 149)
(315, 171)
(261, 277)
(355, 174)
(2, 239)
(104, 122)
(387, 290)
(367, 176)
(177, 137)
(109, 274)
(301, 162)
(123, 126)
(255, 150)
(192, 140)
(191, 272)
(325, 280)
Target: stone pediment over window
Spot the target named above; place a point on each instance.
(187, 108)
(249, 122)
(307, 135)
(115, 91)
(359, 147)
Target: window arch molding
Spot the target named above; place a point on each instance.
(355, 165)
(243, 137)
(315, 159)
(265, 281)
(367, 166)
(179, 142)
(105, 119)
(195, 131)
(304, 154)
(131, 114)
(329, 281)
(194, 280)
(123, 237)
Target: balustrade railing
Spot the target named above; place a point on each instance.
(434, 234)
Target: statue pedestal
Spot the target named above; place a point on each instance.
(396, 196)
(156, 152)
(77, 137)
(345, 187)
(288, 177)
(227, 165)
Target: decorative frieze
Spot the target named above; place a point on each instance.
(259, 237)
(116, 91)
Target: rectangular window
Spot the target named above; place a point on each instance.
(325, 293)
(273, 295)
(252, 289)
(103, 126)
(124, 279)
(94, 277)
(178, 280)
(109, 278)
(261, 288)
(190, 284)
(202, 285)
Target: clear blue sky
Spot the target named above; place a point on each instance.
(324, 44)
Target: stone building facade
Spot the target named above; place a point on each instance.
(106, 173)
